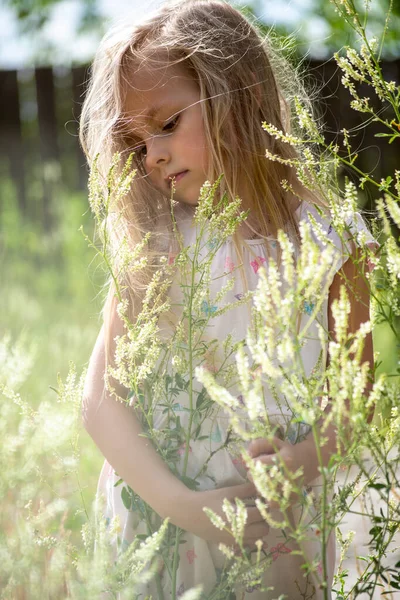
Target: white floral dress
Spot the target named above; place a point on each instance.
(201, 562)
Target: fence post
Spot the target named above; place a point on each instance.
(11, 146)
(79, 78)
(49, 150)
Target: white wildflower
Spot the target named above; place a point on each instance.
(242, 363)
(216, 392)
(393, 209)
(193, 594)
(215, 519)
(226, 551)
(280, 135)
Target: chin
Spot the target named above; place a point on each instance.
(186, 200)
(193, 203)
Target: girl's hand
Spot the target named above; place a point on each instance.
(274, 452)
(190, 516)
(289, 457)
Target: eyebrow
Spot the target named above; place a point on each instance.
(149, 114)
(152, 111)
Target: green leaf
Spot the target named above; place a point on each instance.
(201, 397)
(192, 484)
(180, 383)
(126, 498)
(378, 486)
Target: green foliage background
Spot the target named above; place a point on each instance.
(313, 17)
(52, 294)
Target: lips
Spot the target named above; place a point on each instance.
(176, 177)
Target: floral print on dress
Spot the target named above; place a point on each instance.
(211, 244)
(241, 400)
(182, 450)
(257, 263)
(191, 556)
(229, 265)
(279, 549)
(309, 307)
(239, 462)
(181, 590)
(239, 296)
(125, 545)
(207, 308)
(216, 434)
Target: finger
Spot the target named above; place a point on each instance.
(259, 446)
(263, 446)
(265, 459)
(268, 459)
(253, 515)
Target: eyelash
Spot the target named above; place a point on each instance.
(169, 127)
(173, 122)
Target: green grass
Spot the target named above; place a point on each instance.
(51, 309)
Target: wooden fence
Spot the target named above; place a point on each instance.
(39, 115)
(39, 147)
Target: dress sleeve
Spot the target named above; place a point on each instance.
(355, 234)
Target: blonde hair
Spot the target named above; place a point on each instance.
(231, 62)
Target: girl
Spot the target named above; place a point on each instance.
(187, 91)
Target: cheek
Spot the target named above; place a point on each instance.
(204, 153)
(199, 135)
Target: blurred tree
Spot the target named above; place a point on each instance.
(319, 18)
(32, 15)
(314, 18)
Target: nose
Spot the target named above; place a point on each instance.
(157, 153)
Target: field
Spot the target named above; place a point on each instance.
(52, 296)
(51, 300)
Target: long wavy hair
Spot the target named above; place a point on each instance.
(237, 74)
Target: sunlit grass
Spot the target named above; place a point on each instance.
(51, 309)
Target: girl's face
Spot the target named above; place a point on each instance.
(165, 121)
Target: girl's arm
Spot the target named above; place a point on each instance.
(117, 432)
(304, 454)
